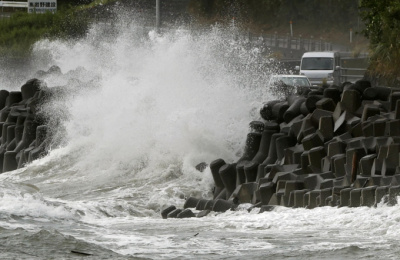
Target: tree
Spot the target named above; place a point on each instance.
(382, 28)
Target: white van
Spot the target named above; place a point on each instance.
(320, 67)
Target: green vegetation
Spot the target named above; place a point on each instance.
(18, 33)
(382, 27)
(22, 30)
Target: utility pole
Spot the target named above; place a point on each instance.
(158, 20)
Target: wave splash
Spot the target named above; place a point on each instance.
(157, 105)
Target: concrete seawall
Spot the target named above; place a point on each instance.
(337, 146)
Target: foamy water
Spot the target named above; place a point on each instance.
(141, 110)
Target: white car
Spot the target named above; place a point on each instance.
(292, 80)
(284, 85)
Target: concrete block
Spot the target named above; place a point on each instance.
(274, 169)
(275, 200)
(379, 127)
(376, 92)
(223, 205)
(250, 171)
(299, 198)
(312, 181)
(209, 205)
(369, 111)
(265, 143)
(391, 162)
(203, 213)
(333, 200)
(336, 147)
(325, 104)
(317, 114)
(306, 128)
(266, 191)
(10, 162)
(306, 198)
(279, 109)
(251, 148)
(266, 208)
(266, 110)
(311, 141)
(394, 192)
(395, 180)
(261, 171)
(272, 155)
(355, 198)
(368, 196)
(351, 100)
(339, 162)
(228, 176)
(393, 127)
(191, 202)
(326, 164)
(397, 110)
(324, 193)
(332, 93)
(166, 211)
(201, 204)
(394, 96)
(340, 124)
(303, 109)
(362, 181)
(282, 143)
(214, 167)
(325, 127)
(311, 102)
(345, 197)
(381, 194)
(362, 84)
(174, 213)
(286, 176)
(368, 129)
(304, 161)
(293, 154)
(376, 169)
(312, 199)
(294, 109)
(284, 200)
(356, 130)
(386, 181)
(315, 156)
(256, 126)
(292, 185)
(353, 157)
(186, 213)
(327, 183)
(246, 192)
(295, 128)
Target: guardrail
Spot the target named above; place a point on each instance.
(13, 4)
(351, 75)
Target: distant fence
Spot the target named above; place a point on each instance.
(14, 4)
(32, 6)
(296, 43)
(352, 69)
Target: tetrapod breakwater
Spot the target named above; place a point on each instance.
(24, 133)
(336, 146)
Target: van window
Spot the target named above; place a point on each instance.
(316, 63)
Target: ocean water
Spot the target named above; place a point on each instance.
(138, 111)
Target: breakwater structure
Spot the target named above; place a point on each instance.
(24, 132)
(335, 146)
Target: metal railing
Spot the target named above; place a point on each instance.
(14, 4)
(351, 74)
